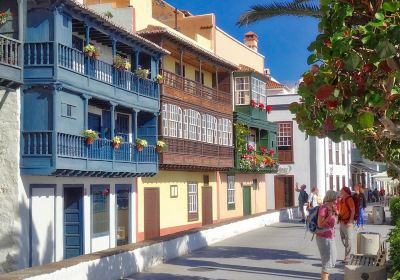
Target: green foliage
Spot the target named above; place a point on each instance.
(354, 92)
(298, 8)
(394, 250)
(241, 133)
(394, 208)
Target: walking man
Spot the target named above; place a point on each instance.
(303, 199)
(346, 220)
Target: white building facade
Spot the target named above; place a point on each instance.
(305, 160)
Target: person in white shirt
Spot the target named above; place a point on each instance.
(313, 198)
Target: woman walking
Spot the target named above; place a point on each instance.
(326, 233)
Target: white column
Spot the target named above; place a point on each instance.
(112, 216)
(321, 150)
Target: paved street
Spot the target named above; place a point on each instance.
(281, 251)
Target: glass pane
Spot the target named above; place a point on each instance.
(100, 209)
(122, 194)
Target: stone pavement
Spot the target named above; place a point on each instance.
(281, 251)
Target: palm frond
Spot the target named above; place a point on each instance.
(297, 8)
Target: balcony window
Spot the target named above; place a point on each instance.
(258, 91)
(175, 114)
(194, 124)
(178, 69)
(337, 183)
(285, 142)
(337, 152)
(331, 182)
(242, 90)
(192, 201)
(330, 151)
(197, 77)
(100, 209)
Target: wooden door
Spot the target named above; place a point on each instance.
(151, 213)
(284, 195)
(207, 213)
(73, 221)
(246, 200)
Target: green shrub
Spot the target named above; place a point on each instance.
(395, 209)
(394, 250)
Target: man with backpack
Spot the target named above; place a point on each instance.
(303, 199)
(347, 212)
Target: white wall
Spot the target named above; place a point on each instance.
(90, 244)
(10, 236)
(311, 162)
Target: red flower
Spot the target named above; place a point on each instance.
(106, 191)
(268, 108)
(272, 152)
(263, 150)
(261, 106)
(250, 148)
(253, 103)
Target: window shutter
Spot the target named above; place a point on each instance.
(165, 120)
(185, 124)
(220, 131)
(179, 122)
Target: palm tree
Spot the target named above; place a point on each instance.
(300, 8)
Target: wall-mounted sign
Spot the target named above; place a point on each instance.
(284, 169)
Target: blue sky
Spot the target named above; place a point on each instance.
(283, 41)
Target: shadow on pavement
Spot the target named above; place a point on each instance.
(166, 276)
(245, 253)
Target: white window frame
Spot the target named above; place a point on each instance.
(192, 124)
(204, 128)
(284, 137)
(231, 190)
(258, 91)
(230, 133)
(242, 89)
(193, 198)
(165, 119)
(185, 124)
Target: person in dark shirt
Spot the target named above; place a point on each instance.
(362, 204)
(303, 198)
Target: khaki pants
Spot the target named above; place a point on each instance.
(346, 234)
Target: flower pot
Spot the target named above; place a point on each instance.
(89, 54)
(116, 145)
(139, 148)
(89, 140)
(160, 82)
(159, 149)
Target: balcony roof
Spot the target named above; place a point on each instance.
(151, 31)
(106, 23)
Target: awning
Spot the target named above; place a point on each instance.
(383, 177)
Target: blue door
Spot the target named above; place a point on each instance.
(73, 221)
(94, 122)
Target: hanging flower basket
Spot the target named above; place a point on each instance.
(116, 142)
(5, 16)
(91, 51)
(121, 63)
(90, 136)
(141, 144)
(142, 73)
(161, 146)
(159, 79)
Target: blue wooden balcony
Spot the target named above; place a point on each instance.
(44, 63)
(10, 62)
(69, 155)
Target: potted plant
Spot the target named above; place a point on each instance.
(5, 16)
(159, 79)
(161, 146)
(96, 53)
(116, 142)
(142, 73)
(89, 50)
(141, 144)
(90, 136)
(121, 63)
(268, 109)
(253, 103)
(261, 106)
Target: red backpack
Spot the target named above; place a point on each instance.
(356, 201)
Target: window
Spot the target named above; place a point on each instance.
(122, 193)
(210, 128)
(185, 124)
(251, 141)
(242, 91)
(68, 110)
(204, 128)
(173, 120)
(224, 127)
(330, 151)
(194, 124)
(100, 209)
(343, 153)
(165, 119)
(344, 181)
(331, 182)
(173, 190)
(178, 69)
(197, 76)
(337, 183)
(192, 202)
(337, 152)
(230, 133)
(285, 142)
(77, 43)
(258, 91)
(231, 192)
